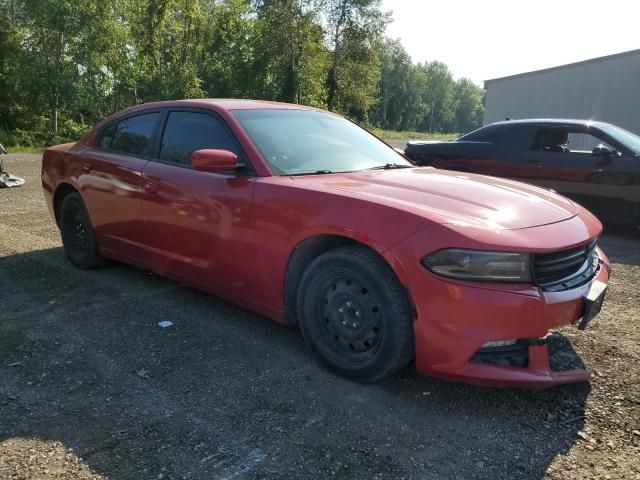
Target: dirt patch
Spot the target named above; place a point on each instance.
(92, 387)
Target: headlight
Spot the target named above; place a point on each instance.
(479, 265)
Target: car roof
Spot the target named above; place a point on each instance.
(489, 132)
(566, 122)
(227, 104)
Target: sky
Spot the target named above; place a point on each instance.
(484, 39)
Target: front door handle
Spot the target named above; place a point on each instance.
(150, 187)
(87, 167)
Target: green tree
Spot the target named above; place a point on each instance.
(63, 75)
(423, 97)
(65, 64)
(289, 50)
(438, 98)
(399, 105)
(226, 66)
(166, 47)
(10, 60)
(354, 31)
(469, 109)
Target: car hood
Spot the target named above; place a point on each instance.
(452, 197)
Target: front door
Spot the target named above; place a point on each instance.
(197, 224)
(603, 184)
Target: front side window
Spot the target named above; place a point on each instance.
(134, 135)
(625, 138)
(567, 140)
(579, 142)
(301, 142)
(187, 132)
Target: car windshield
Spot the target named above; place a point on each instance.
(628, 139)
(301, 142)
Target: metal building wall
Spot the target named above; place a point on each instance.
(606, 89)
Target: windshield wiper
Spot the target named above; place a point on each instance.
(390, 166)
(317, 172)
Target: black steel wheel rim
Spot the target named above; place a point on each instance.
(76, 230)
(347, 318)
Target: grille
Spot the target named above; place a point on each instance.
(566, 269)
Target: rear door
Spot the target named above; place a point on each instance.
(501, 155)
(198, 225)
(111, 181)
(509, 159)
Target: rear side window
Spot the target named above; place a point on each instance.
(187, 132)
(519, 138)
(134, 135)
(551, 139)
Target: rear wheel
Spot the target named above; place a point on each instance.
(78, 236)
(354, 313)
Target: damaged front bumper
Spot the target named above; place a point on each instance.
(498, 335)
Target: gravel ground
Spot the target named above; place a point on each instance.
(92, 387)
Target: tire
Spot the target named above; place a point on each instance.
(354, 313)
(78, 236)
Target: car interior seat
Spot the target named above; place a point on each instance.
(552, 140)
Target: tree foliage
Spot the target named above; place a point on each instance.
(423, 97)
(65, 64)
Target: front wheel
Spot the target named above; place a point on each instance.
(354, 313)
(78, 237)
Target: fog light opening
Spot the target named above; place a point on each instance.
(511, 353)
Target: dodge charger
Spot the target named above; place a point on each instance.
(310, 220)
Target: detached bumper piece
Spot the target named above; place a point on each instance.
(529, 362)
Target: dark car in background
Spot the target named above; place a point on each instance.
(595, 163)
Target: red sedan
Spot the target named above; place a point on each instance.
(302, 216)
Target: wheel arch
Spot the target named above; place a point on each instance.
(310, 248)
(59, 195)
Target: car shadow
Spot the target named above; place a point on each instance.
(226, 393)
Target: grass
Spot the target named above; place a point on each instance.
(12, 143)
(24, 149)
(393, 135)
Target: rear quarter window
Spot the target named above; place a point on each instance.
(105, 137)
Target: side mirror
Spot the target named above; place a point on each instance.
(602, 151)
(2, 150)
(214, 161)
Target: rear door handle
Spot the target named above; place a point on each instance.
(86, 167)
(150, 187)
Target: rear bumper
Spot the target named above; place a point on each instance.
(47, 189)
(455, 319)
(48, 197)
